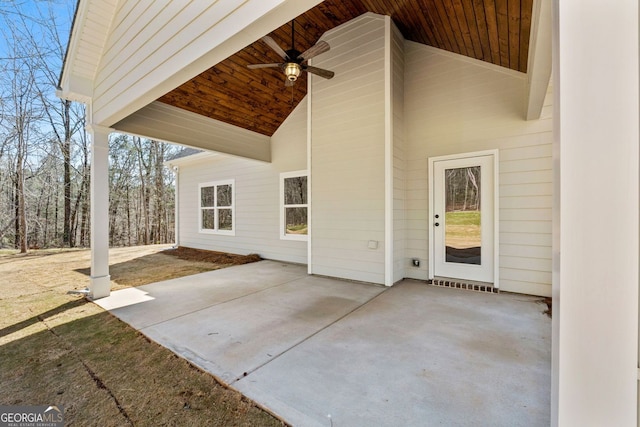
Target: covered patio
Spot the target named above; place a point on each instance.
(309, 347)
(126, 57)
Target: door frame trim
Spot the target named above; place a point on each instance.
(496, 217)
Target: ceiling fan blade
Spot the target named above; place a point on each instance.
(319, 71)
(254, 66)
(315, 50)
(273, 45)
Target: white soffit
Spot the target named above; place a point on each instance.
(88, 37)
(167, 123)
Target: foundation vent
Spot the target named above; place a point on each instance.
(469, 286)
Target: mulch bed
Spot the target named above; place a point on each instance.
(547, 301)
(191, 254)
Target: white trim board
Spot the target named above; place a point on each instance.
(388, 155)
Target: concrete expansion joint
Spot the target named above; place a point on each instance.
(276, 356)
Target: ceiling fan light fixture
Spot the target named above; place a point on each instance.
(294, 62)
(292, 70)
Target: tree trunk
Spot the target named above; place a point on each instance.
(56, 216)
(77, 206)
(159, 192)
(65, 147)
(45, 236)
(22, 214)
(16, 206)
(128, 211)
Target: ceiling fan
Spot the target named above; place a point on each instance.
(294, 61)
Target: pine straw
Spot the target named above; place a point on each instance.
(221, 258)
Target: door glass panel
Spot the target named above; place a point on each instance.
(462, 216)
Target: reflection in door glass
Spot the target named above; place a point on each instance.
(462, 216)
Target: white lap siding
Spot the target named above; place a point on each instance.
(457, 105)
(348, 154)
(257, 191)
(406, 101)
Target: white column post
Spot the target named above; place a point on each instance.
(176, 220)
(596, 284)
(100, 285)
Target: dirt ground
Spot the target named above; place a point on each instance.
(60, 349)
(220, 258)
(151, 264)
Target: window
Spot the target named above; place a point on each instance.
(216, 207)
(294, 205)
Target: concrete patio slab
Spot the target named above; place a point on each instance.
(306, 347)
(177, 297)
(418, 355)
(234, 338)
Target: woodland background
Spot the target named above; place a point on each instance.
(44, 148)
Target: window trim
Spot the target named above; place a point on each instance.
(283, 231)
(216, 209)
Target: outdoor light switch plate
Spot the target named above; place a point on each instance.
(373, 244)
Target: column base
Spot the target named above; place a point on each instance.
(100, 287)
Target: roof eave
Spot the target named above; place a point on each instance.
(66, 52)
(70, 86)
(75, 88)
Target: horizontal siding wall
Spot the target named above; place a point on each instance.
(257, 191)
(457, 105)
(348, 153)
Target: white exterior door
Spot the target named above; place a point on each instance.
(463, 218)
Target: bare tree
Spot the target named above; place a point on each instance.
(21, 113)
(64, 117)
(44, 159)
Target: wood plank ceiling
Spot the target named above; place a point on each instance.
(495, 31)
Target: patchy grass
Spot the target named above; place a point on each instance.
(60, 349)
